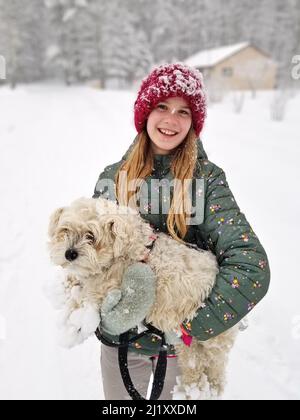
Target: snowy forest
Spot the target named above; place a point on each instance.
(74, 41)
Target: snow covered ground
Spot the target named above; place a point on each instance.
(54, 142)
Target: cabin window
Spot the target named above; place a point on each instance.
(227, 71)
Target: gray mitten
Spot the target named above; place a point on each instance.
(125, 308)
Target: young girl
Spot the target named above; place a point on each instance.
(169, 114)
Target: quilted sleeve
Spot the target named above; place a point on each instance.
(244, 272)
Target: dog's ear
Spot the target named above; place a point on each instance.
(54, 219)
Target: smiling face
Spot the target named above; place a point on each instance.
(168, 124)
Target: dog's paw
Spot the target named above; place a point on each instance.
(85, 319)
(194, 391)
(69, 336)
(179, 390)
(187, 392)
(54, 290)
(76, 294)
(78, 325)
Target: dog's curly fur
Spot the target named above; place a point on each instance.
(108, 239)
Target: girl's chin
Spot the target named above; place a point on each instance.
(165, 142)
(164, 145)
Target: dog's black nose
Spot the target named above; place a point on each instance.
(71, 254)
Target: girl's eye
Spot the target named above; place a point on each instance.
(161, 106)
(90, 237)
(184, 112)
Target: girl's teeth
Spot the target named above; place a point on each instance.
(168, 133)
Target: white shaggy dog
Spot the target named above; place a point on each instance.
(96, 240)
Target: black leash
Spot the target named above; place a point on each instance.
(161, 366)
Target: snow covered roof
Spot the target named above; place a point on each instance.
(209, 58)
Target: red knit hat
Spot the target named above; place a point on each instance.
(170, 80)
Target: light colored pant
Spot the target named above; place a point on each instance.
(140, 368)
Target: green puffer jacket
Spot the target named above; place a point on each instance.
(244, 272)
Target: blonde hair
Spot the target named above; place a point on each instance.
(139, 165)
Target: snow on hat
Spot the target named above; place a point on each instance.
(170, 80)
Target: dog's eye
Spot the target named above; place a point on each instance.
(90, 237)
(62, 233)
